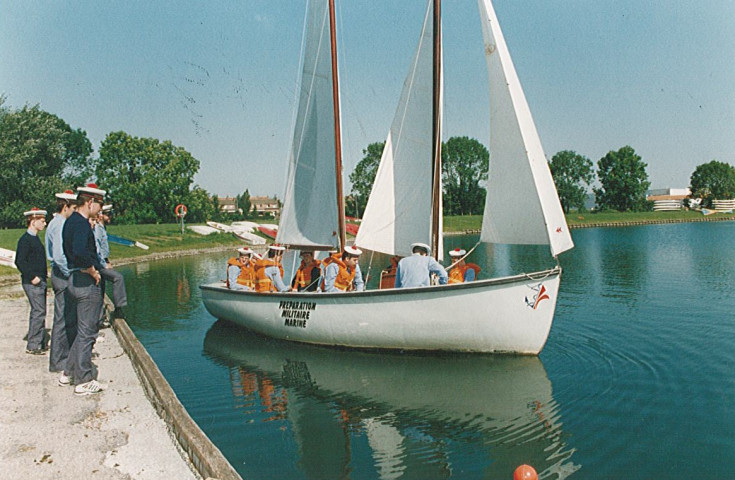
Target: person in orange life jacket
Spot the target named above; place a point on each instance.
(30, 258)
(241, 270)
(307, 276)
(269, 271)
(460, 271)
(416, 270)
(342, 272)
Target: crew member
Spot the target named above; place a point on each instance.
(31, 261)
(64, 328)
(269, 271)
(416, 270)
(84, 287)
(460, 271)
(119, 292)
(241, 270)
(342, 272)
(307, 275)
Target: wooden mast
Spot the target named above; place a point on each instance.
(337, 132)
(436, 134)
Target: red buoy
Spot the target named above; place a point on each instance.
(525, 472)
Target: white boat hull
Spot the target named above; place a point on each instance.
(503, 315)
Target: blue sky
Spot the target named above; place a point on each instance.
(219, 78)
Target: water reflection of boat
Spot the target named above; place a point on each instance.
(501, 405)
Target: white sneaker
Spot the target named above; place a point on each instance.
(89, 388)
(64, 381)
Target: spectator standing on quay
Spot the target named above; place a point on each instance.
(30, 259)
(119, 292)
(64, 328)
(416, 270)
(84, 287)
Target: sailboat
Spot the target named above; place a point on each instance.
(510, 314)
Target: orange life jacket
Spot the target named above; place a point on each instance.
(246, 276)
(456, 275)
(262, 282)
(302, 279)
(344, 277)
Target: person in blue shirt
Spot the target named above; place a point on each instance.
(342, 272)
(109, 274)
(64, 328)
(416, 270)
(30, 259)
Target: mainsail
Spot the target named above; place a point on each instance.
(311, 211)
(522, 205)
(399, 210)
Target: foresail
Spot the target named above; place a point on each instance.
(310, 212)
(522, 205)
(398, 212)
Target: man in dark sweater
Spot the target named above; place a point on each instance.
(84, 287)
(30, 258)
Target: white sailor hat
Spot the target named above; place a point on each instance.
(277, 247)
(91, 189)
(106, 208)
(245, 251)
(35, 212)
(67, 195)
(353, 250)
(457, 252)
(421, 245)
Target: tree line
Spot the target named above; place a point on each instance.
(40, 155)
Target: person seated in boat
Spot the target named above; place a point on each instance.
(269, 271)
(308, 274)
(416, 270)
(460, 271)
(342, 272)
(241, 270)
(388, 275)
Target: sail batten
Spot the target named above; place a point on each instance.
(310, 214)
(522, 205)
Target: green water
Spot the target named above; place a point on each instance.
(635, 381)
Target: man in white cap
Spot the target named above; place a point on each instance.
(30, 259)
(460, 271)
(119, 292)
(342, 272)
(416, 270)
(64, 328)
(269, 271)
(84, 287)
(241, 270)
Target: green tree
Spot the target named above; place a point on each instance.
(572, 175)
(243, 203)
(713, 180)
(145, 178)
(199, 206)
(465, 164)
(623, 181)
(40, 155)
(363, 176)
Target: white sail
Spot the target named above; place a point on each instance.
(398, 212)
(310, 209)
(522, 205)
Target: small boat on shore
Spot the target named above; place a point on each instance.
(7, 258)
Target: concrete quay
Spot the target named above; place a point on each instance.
(47, 432)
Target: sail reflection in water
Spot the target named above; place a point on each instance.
(390, 415)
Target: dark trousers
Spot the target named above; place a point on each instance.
(37, 319)
(119, 294)
(64, 329)
(88, 299)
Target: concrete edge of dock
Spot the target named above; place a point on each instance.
(206, 458)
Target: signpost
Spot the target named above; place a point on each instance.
(180, 212)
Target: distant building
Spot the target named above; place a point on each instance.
(265, 205)
(228, 205)
(668, 194)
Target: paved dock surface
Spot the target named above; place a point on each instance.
(47, 432)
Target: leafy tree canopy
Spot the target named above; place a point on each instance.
(623, 181)
(146, 178)
(572, 175)
(363, 176)
(465, 165)
(713, 180)
(40, 155)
